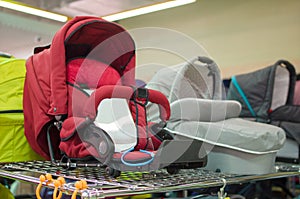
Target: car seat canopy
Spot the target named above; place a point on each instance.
(198, 78)
(100, 40)
(91, 74)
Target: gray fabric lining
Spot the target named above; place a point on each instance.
(234, 133)
(280, 88)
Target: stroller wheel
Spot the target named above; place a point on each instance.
(112, 172)
(173, 170)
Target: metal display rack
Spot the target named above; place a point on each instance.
(100, 185)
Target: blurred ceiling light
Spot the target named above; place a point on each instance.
(33, 11)
(147, 9)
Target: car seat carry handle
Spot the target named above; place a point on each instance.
(126, 92)
(157, 97)
(105, 92)
(215, 73)
(204, 60)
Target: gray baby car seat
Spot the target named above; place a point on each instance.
(198, 111)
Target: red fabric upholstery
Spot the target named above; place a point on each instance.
(71, 143)
(157, 97)
(91, 73)
(134, 156)
(46, 93)
(74, 147)
(45, 90)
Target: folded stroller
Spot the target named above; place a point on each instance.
(80, 102)
(14, 146)
(234, 145)
(267, 96)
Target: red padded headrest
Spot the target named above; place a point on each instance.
(91, 73)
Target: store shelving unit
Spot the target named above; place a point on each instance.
(100, 185)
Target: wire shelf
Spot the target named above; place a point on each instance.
(100, 185)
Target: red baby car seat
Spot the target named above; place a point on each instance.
(75, 86)
(47, 94)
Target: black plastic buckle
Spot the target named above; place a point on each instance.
(141, 94)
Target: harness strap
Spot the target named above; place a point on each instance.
(241, 92)
(138, 95)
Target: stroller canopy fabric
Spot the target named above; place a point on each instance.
(198, 78)
(262, 91)
(297, 91)
(46, 90)
(267, 96)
